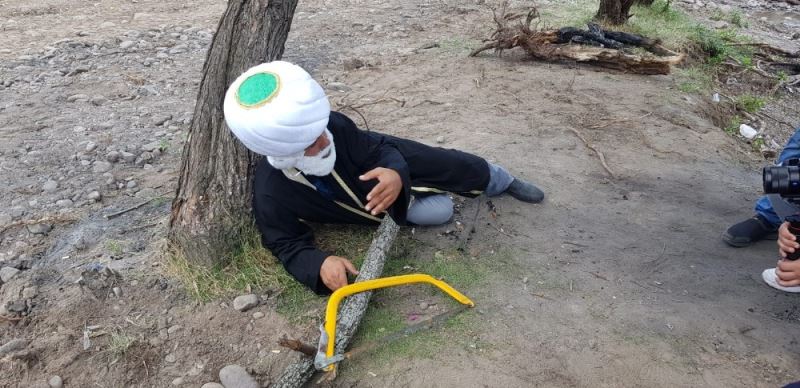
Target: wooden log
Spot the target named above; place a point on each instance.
(352, 309)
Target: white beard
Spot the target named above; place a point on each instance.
(319, 165)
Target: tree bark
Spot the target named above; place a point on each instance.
(614, 12)
(212, 203)
(352, 309)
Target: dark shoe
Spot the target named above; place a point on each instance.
(749, 231)
(525, 191)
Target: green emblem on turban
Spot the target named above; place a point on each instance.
(258, 89)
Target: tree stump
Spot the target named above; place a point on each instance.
(614, 12)
(213, 200)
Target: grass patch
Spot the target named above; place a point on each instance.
(750, 103)
(119, 343)
(694, 79)
(115, 247)
(733, 126)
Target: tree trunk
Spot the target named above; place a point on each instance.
(614, 12)
(214, 191)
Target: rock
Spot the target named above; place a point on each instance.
(77, 97)
(172, 329)
(127, 44)
(131, 184)
(107, 25)
(796, 36)
(258, 315)
(55, 382)
(338, 86)
(141, 16)
(178, 381)
(720, 24)
(17, 344)
(152, 146)
(94, 196)
(128, 157)
(98, 100)
(30, 292)
(50, 186)
(112, 157)
(161, 119)
(64, 203)
(7, 273)
(352, 64)
(440, 139)
(100, 166)
(144, 158)
(117, 292)
(170, 358)
(91, 146)
(39, 228)
(423, 305)
(234, 376)
(212, 385)
(245, 302)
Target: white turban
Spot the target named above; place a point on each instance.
(276, 109)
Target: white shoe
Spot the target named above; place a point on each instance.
(771, 278)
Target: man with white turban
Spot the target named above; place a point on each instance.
(320, 167)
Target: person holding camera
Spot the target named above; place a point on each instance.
(767, 224)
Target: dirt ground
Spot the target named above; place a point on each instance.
(610, 282)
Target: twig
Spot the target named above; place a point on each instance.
(10, 319)
(354, 109)
(597, 275)
(134, 207)
(596, 151)
(59, 219)
(543, 296)
(427, 101)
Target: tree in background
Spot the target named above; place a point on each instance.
(617, 12)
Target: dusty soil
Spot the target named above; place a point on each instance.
(611, 282)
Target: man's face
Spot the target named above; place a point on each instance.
(318, 158)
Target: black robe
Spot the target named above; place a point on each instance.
(282, 200)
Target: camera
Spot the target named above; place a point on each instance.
(784, 180)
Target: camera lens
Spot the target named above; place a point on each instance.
(783, 180)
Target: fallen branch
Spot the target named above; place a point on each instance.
(596, 151)
(351, 311)
(599, 47)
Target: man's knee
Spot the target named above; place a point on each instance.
(431, 210)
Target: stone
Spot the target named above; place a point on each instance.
(245, 302)
(55, 382)
(161, 119)
(352, 64)
(131, 184)
(212, 385)
(170, 358)
(50, 186)
(91, 146)
(128, 157)
(94, 196)
(98, 100)
(127, 44)
(77, 97)
(14, 345)
(117, 292)
(423, 306)
(178, 381)
(7, 273)
(720, 24)
(39, 228)
(30, 292)
(234, 376)
(440, 139)
(258, 315)
(100, 166)
(338, 86)
(172, 329)
(107, 25)
(796, 36)
(152, 146)
(113, 157)
(64, 203)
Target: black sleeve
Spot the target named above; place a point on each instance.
(373, 150)
(291, 241)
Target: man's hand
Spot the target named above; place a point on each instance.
(786, 240)
(788, 272)
(334, 272)
(385, 192)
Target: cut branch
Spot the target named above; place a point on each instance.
(610, 49)
(352, 310)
